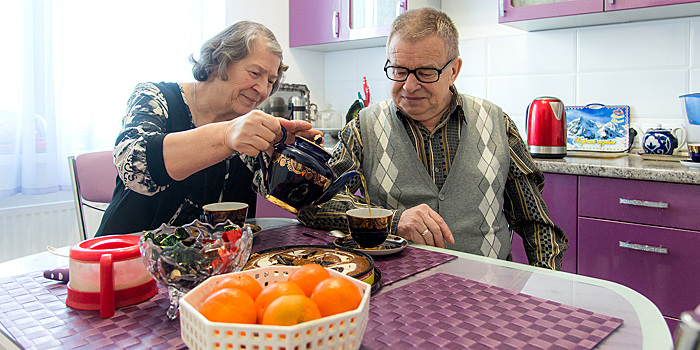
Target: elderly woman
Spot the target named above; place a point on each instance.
(184, 145)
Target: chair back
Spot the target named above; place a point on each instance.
(93, 176)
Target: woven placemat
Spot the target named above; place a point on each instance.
(407, 262)
(448, 312)
(34, 311)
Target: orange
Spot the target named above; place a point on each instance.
(308, 276)
(273, 291)
(243, 282)
(336, 295)
(230, 305)
(289, 310)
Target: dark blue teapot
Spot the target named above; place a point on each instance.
(663, 141)
(299, 176)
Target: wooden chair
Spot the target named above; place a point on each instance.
(93, 176)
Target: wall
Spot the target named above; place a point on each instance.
(645, 65)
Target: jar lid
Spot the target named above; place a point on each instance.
(122, 247)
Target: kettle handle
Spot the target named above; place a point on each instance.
(261, 160)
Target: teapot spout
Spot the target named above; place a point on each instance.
(336, 186)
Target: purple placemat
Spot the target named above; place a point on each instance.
(34, 311)
(407, 262)
(448, 312)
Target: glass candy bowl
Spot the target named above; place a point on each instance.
(182, 257)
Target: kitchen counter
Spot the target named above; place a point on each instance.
(624, 166)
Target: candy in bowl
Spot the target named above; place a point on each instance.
(182, 257)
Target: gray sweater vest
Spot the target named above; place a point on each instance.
(471, 200)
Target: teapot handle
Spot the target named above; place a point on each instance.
(680, 134)
(261, 160)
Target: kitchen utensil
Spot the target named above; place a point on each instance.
(277, 107)
(691, 116)
(599, 128)
(341, 331)
(687, 333)
(393, 244)
(216, 213)
(663, 141)
(297, 109)
(56, 251)
(369, 229)
(196, 252)
(545, 125)
(694, 152)
(299, 176)
(365, 87)
(354, 110)
(57, 274)
(107, 273)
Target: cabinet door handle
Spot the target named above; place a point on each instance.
(336, 24)
(643, 247)
(502, 8)
(639, 203)
(612, 2)
(401, 7)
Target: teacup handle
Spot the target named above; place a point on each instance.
(107, 302)
(263, 168)
(681, 138)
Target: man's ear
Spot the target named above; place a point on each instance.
(454, 69)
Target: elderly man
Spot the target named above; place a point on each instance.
(453, 167)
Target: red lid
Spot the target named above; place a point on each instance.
(122, 247)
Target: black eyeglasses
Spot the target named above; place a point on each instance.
(424, 75)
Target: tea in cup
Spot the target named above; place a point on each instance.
(216, 213)
(369, 228)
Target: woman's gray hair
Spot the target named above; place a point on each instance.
(232, 45)
(414, 25)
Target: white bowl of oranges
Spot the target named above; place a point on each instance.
(290, 307)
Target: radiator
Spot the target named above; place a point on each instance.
(29, 229)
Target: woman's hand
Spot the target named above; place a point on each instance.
(298, 127)
(252, 133)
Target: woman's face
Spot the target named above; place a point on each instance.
(249, 81)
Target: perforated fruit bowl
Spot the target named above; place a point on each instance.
(341, 331)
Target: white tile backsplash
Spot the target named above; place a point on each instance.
(473, 54)
(649, 92)
(514, 93)
(533, 53)
(653, 44)
(694, 80)
(695, 43)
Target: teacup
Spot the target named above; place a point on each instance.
(369, 231)
(694, 152)
(216, 213)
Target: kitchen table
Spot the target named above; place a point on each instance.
(643, 327)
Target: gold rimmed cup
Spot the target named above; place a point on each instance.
(216, 213)
(694, 152)
(369, 231)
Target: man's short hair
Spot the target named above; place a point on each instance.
(418, 24)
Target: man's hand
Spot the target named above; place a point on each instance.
(423, 225)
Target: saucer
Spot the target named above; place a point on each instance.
(254, 228)
(691, 164)
(393, 244)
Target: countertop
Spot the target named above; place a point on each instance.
(623, 165)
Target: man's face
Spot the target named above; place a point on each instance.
(423, 102)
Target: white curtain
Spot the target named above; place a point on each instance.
(69, 67)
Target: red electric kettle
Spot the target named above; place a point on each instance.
(545, 125)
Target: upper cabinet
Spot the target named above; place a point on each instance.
(533, 15)
(328, 25)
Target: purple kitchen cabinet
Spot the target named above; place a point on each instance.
(510, 11)
(618, 5)
(560, 191)
(660, 263)
(314, 22)
(645, 202)
(319, 22)
(579, 13)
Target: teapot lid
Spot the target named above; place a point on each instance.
(313, 147)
